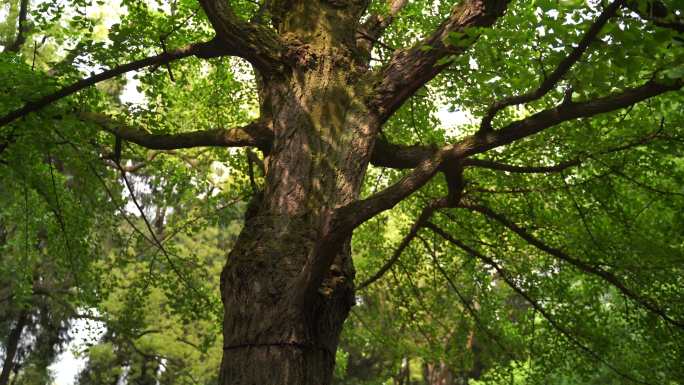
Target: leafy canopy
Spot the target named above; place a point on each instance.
(562, 264)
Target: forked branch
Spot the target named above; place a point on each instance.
(412, 68)
(350, 216)
(397, 156)
(251, 41)
(561, 70)
(542, 120)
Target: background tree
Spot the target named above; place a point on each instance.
(563, 192)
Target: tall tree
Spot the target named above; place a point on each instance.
(336, 79)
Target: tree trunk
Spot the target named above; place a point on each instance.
(271, 334)
(287, 287)
(12, 345)
(404, 375)
(438, 374)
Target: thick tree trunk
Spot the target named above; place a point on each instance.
(287, 287)
(272, 335)
(12, 345)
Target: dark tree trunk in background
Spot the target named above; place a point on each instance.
(438, 374)
(146, 370)
(404, 375)
(12, 346)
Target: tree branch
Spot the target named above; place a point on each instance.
(203, 50)
(413, 232)
(21, 29)
(257, 134)
(350, 216)
(398, 156)
(657, 13)
(542, 120)
(508, 279)
(386, 154)
(492, 165)
(560, 71)
(583, 266)
(411, 68)
(253, 42)
(371, 31)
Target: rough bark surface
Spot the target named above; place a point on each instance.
(282, 321)
(287, 286)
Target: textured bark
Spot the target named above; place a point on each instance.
(410, 69)
(271, 335)
(287, 286)
(12, 345)
(286, 291)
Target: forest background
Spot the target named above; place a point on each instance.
(134, 240)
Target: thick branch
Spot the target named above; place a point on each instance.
(386, 154)
(355, 213)
(203, 50)
(253, 42)
(255, 134)
(397, 156)
(560, 71)
(542, 120)
(371, 31)
(583, 266)
(493, 165)
(352, 215)
(411, 68)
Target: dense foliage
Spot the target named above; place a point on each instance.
(563, 264)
